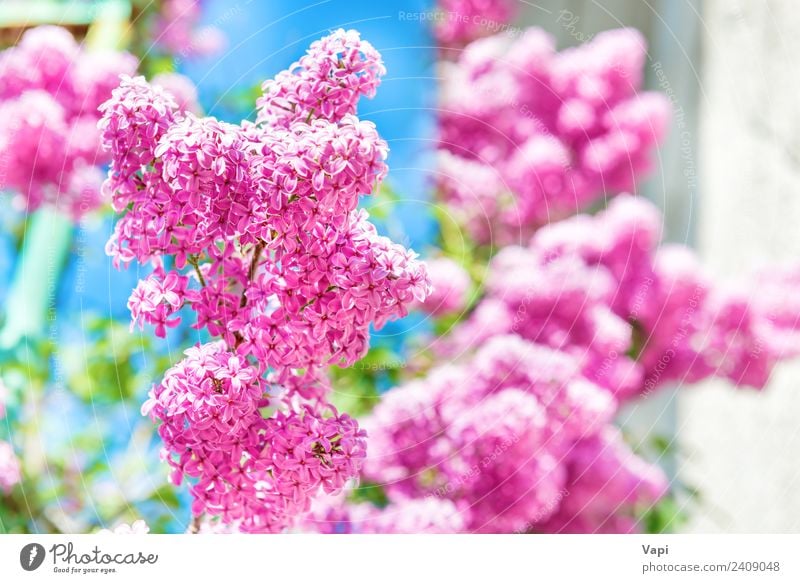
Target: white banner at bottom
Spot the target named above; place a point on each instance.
(406, 558)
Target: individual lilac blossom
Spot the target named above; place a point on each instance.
(450, 287)
(136, 527)
(50, 89)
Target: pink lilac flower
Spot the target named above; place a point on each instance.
(254, 472)
(517, 435)
(450, 287)
(462, 21)
(556, 131)
(157, 299)
(10, 472)
(280, 267)
(635, 315)
(607, 483)
(50, 89)
(326, 83)
(591, 312)
(492, 435)
(475, 195)
(497, 443)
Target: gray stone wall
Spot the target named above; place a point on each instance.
(742, 448)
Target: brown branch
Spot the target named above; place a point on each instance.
(194, 262)
(251, 272)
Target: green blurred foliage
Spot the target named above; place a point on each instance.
(79, 476)
(371, 493)
(356, 389)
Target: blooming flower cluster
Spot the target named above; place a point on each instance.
(459, 22)
(517, 435)
(270, 252)
(636, 315)
(326, 83)
(498, 444)
(530, 135)
(177, 30)
(50, 89)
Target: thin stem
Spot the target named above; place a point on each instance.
(251, 272)
(194, 262)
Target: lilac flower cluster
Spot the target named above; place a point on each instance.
(636, 314)
(324, 84)
(256, 473)
(50, 89)
(518, 434)
(498, 444)
(531, 135)
(268, 249)
(459, 22)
